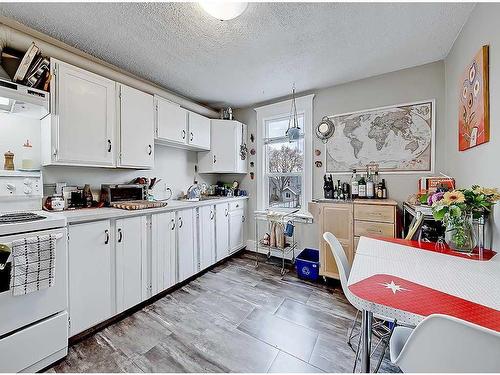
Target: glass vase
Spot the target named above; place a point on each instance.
(460, 234)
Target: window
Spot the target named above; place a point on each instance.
(284, 164)
(284, 169)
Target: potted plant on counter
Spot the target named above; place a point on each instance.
(457, 208)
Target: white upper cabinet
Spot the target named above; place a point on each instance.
(199, 131)
(171, 123)
(224, 156)
(175, 126)
(136, 130)
(81, 127)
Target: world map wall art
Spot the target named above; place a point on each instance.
(399, 138)
(473, 106)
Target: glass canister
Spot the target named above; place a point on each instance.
(27, 161)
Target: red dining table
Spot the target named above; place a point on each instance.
(409, 280)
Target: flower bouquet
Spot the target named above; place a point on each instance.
(457, 208)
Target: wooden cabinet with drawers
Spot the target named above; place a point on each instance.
(348, 221)
(374, 218)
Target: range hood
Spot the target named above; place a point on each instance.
(22, 100)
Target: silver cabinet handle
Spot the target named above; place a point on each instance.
(150, 150)
(109, 145)
(106, 241)
(243, 219)
(226, 212)
(211, 215)
(183, 134)
(173, 225)
(180, 222)
(192, 136)
(120, 235)
(215, 160)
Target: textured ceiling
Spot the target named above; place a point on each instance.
(257, 56)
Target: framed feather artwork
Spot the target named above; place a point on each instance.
(474, 106)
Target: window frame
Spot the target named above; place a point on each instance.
(277, 111)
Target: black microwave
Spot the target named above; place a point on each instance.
(120, 193)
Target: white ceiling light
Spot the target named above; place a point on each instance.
(223, 10)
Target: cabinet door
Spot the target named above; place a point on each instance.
(171, 122)
(337, 219)
(90, 275)
(236, 229)
(223, 146)
(84, 117)
(136, 128)
(163, 252)
(131, 262)
(206, 227)
(186, 250)
(222, 230)
(199, 131)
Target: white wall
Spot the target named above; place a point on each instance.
(14, 131)
(408, 85)
(174, 166)
(478, 165)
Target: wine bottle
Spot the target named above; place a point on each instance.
(370, 187)
(362, 187)
(354, 185)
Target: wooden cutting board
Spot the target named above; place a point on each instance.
(138, 205)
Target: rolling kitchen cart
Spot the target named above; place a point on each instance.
(273, 217)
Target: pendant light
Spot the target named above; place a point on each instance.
(293, 131)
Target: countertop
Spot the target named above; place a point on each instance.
(93, 214)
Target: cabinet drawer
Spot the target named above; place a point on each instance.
(373, 212)
(236, 205)
(368, 228)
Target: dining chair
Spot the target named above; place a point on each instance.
(380, 327)
(441, 343)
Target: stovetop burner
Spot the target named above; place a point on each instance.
(19, 217)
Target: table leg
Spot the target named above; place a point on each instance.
(366, 340)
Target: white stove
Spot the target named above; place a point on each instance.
(34, 326)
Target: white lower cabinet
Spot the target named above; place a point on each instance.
(186, 244)
(90, 274)
(116, 264)
(221, 230)
(206, 228)
(236, 219)
(131, 262)
(163, 252)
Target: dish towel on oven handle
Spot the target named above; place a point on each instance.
(33, 263)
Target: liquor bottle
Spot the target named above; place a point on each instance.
(384, 189)
(354, 185)
(370, 186)
(345, 190)
(362, 188)
(378, 190)
(335, 193)
(330, 187)
(325, 187)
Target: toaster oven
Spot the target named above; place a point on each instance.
(111, 193)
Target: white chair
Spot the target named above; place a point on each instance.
(379, 327)
(442, 343)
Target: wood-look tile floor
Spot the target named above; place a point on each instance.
(234, 318)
